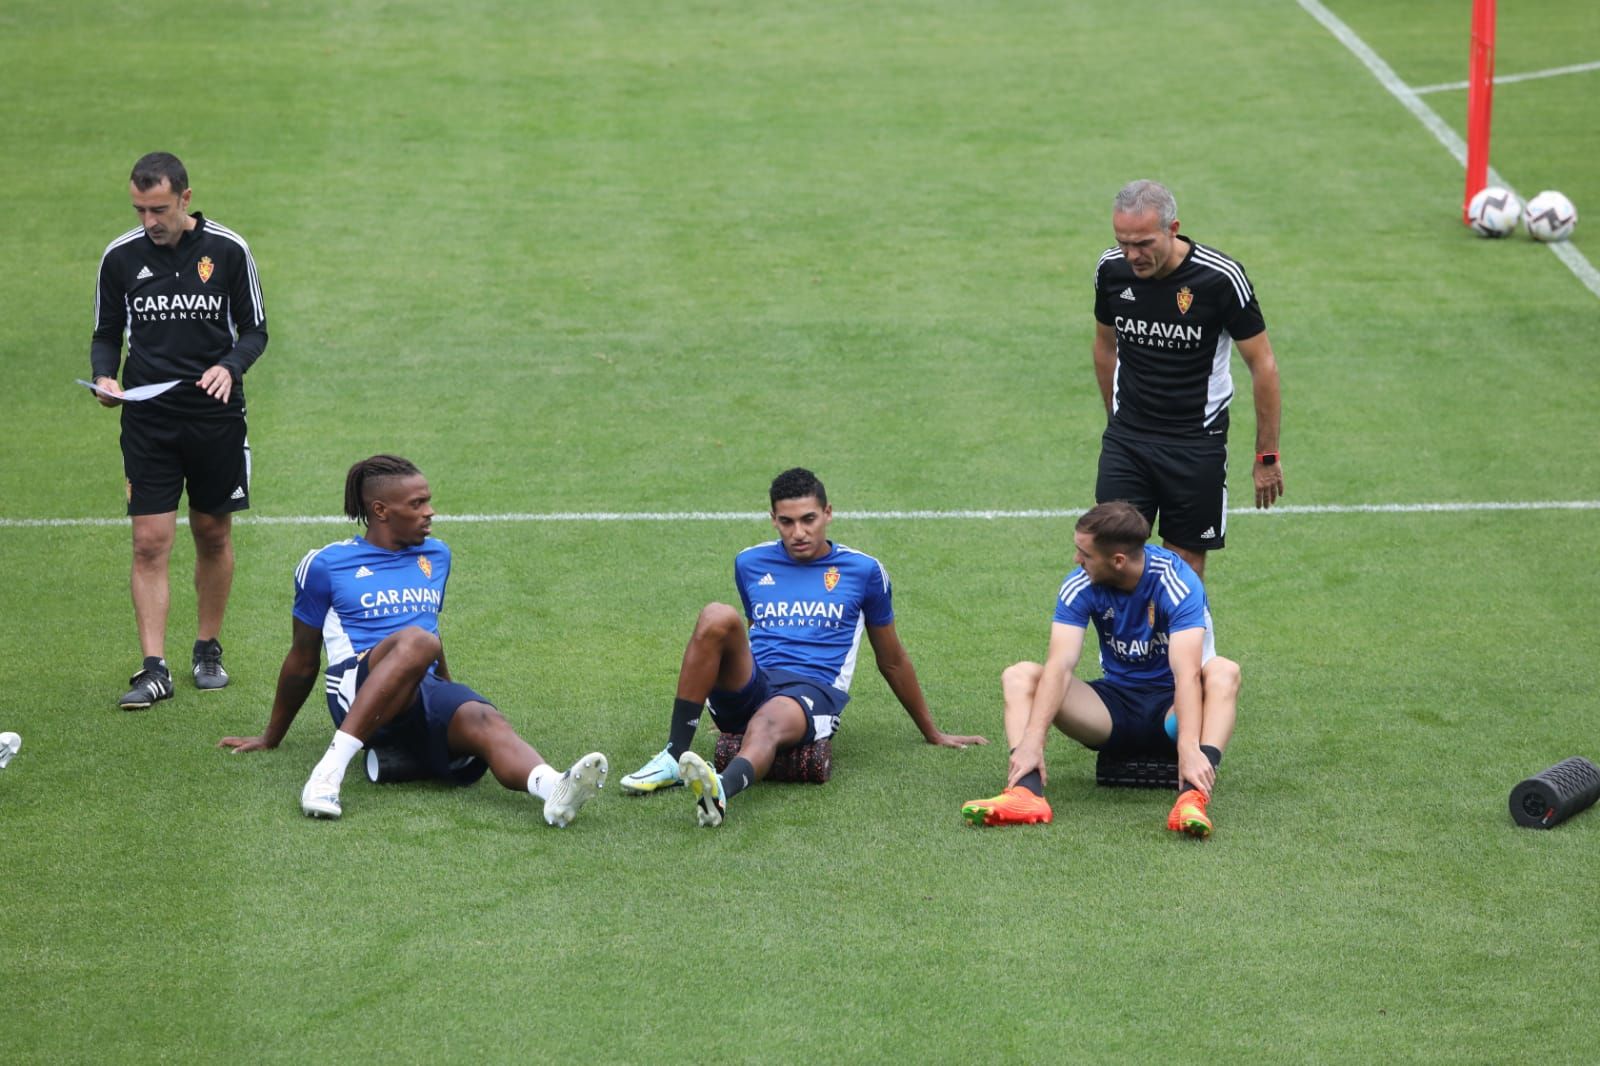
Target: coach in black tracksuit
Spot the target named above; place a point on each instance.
(1168, 314)
(185, 291)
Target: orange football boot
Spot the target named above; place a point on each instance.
(1014, 806)
(1189, 815)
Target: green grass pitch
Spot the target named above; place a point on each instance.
(628, 257)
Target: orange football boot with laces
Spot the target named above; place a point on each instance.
(1189, 815)
(1015, 806)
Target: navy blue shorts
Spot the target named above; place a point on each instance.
(821, 703)
(1138, 718)
(422, 729)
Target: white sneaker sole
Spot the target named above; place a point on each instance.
(702, 781)
(10, 744)
(581, 783)
(320, 804)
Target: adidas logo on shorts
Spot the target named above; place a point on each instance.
(1209, 534)
(238, 493)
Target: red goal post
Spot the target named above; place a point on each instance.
(1480, 96)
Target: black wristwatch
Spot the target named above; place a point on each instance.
(1267, 458)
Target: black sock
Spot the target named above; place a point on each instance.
(1214, 755)
(1032, 782)
(685, 720)
(738, 776)
(156, 664)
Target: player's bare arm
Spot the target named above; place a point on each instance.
(1066, 646)
(300, 673)
(894, 663)
(1184, 652)
(1257, 355)
(1105, 360)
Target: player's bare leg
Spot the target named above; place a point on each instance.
(1219, 703)
(395, 667)
(480, 730)
(780, 724)
(717, 656)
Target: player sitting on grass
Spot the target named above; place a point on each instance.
(1163, 685)
(781, 674)
(374, 601)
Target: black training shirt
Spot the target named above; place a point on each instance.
(1174, 340)
(184, 310)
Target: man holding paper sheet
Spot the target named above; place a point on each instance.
(185, 293)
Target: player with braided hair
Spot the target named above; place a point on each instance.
(373, 601)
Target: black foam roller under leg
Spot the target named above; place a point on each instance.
(1549, 798)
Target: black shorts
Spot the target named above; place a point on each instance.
(1183, 481)
(161, 454)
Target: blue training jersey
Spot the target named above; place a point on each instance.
(808, 617)
(1135, 627)
(358, 594)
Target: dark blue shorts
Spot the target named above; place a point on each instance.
(821, 703)
(1138, 718)
(422, 729)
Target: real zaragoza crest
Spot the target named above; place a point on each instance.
(830, 579)
(425, 566)
(1185, 300)
(206, 267)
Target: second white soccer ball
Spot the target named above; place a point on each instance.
(1494, 212)
(1551, 217)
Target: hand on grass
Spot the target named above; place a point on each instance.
(239, 745)
(950, 740)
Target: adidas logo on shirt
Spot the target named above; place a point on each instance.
(362, 571)
(238, 493)
(144, 272)
(766, 579)
(1127, 294)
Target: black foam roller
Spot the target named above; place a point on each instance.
(1549, 798)
(387, 765)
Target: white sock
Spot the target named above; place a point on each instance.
(332, 765)
(543, 779)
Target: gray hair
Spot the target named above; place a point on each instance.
(1145, 195)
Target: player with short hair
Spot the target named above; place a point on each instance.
(1168, 312)
(1164, 687)
(780, 673)
(374, 601)
(183, 289)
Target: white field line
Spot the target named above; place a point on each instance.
(1574, 260)
(1508, 79)
(1462, 507)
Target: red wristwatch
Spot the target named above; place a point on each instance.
(1267, 458)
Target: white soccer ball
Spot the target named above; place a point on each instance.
(1551, 217)
(1494, 212)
